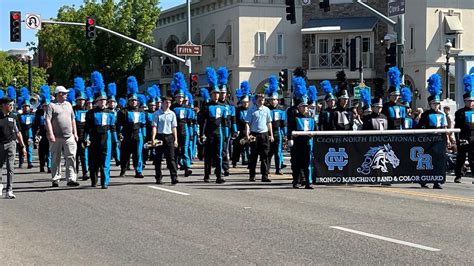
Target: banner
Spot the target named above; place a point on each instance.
(375, 159)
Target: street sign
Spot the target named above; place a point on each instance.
(357, 92)
(396, 7)
(188, 49)
(33, 21)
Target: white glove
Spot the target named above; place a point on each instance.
(290, 143)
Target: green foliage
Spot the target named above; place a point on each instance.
(72, 55)
(12, 68)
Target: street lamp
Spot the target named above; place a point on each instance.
(447, 47)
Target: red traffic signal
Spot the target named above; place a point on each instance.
(193, 83)
(90, 21)
(15, 26)
(90, 28)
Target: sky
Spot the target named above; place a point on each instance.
(46, 9)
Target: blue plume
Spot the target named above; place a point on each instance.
(122, 102)
(365, 97)
(327, 88)
(406, 95)
(211, 76)
(312, 94)
(180, 81)
(299, 85)
(79, 86)
(238, 94)
(190, 97)
(173, 87)
(157, 90)
(223, 75)
(25, 94)
(132, 85)
(11, 92)
(468, 83)
(141, 99)
(112, 90)
(471, 71)
(71, 96)
(89, 93)
(204, 93)
(2, 93)
(272, 86)
(97, 82)
(434, 85)
(245, 87)
(394, 77)
(151, 93)
(45, 94)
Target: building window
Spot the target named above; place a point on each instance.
(337, 52)
(323, 52)
(280, 44)
(366, 55)
(261, 43)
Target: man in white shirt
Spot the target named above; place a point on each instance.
(164, 128)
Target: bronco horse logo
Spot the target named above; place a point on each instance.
(377, 158)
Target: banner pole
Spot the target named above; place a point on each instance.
(378, 132)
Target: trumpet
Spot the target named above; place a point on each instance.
(152, 144)
(248, 140)
(37, 140)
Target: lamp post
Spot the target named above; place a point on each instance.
(447, 47)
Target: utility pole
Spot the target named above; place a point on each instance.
(189, 36)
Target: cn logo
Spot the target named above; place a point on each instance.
(424, 161)
(336, 159)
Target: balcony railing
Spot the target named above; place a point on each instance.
(168, 70)
(337, 60)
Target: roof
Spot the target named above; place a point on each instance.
(358, 24)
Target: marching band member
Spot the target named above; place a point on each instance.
(464, 120)
(301, 146)
(391, 109)
(313, 105)
(131, 125)
(259, 126)
(231, 127)
(40, 129)
(238, 148)
(80, 111)
(192, 125)
(112, 106)
(26, 119)
(278, 116)
(433, 118)
(100, 125)
(373, 120)
(178, 88)
(152, 94)
(343, 118)
(164, 129)
(406, 96)
(327, 115)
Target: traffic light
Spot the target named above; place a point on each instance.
(283, 79)
(90, 28)
(193, 83)
(290, 11)
(390, 56)
(15, 26)
(324, 4)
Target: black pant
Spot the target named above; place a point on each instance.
(81, 158)
(225, 154)
(181, 152)
(300, 160)
(99, 155)
(131, 146)
(260, 147)
(43, 153)
(213, 153)
(461, 158)
(275, 150)
(239, 149)
(168, 150)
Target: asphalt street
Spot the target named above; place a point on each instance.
(239, 222)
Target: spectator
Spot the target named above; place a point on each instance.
(62, 136)
(9, 134)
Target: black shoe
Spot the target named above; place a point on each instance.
(308, 187)
(423, 185)
(234, 165)
(85, 177)
(278, 173)
(140, 175)
(117, 163)
(206, 180)
(30, 166)
(295, 186)
(187, 173)
(266, 180)
(104, 187)
(41, 169)
(122, 172)
(174, 182)
(252, 179)
(158, 182)
(245, 163)
(457, 180)
(283, 166)
(55, 184)
(93, 184)
(226, 173)
(181, 167)
(220, 180)
(72, 184)
(437, 186)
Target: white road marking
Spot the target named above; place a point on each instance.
(169, 190)
(386, 239)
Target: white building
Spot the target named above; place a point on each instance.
(250, 37)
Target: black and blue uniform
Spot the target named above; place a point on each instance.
(43, 147)
(26, 129)
(192, 132)
(237, 148)
(131, 124)
(99, 130)
(82, 150)
(343, 118)
(115, 140)
(230, 129)
(182, 155)
(395, 115)
(212, 125)
(326, 119)
(464, 120)
(279, 132)
(150, 153)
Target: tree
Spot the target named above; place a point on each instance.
(11, 69)
(72, 55)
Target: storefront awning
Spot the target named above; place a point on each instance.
(339, 25)
(226, 36)
(453, 24)
(210, 39)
